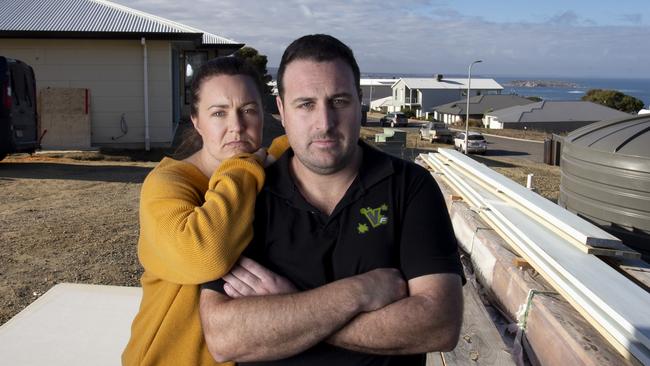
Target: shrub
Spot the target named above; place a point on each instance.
(408, 112)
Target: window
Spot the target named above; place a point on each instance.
(193, 60)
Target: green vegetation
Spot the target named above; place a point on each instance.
(258, 61)
(475, 123)
(534, 98)
(614, 99)
(408, 112)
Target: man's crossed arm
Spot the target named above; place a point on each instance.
(368, 313)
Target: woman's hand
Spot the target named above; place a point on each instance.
(249, 278)
(263, 156)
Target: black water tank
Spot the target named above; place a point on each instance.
(605, 178)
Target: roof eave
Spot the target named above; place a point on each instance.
(100, 35)
(197, 38)
(223, 46)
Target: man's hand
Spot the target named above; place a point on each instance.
(383, 286)
(379, 287)
(249, 278)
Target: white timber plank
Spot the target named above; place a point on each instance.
(608, 298)
(564, 220)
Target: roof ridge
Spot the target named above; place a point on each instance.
(171, 23)
(532, 108)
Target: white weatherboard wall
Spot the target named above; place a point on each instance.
(113, 72)
(378, 92)
(435, 97)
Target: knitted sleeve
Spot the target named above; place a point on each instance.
(189, 239)
(278, 146)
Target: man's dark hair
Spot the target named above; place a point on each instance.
(320, 48)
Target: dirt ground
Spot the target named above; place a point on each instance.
(66, 221)
(74, 217)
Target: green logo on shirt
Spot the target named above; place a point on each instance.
(375, 218)
(363, 228)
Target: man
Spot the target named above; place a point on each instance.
(345, 223)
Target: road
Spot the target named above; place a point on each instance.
(497, 146)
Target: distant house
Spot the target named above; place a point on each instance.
(478, 105)
(384, 104)
(551, 116)
(422, 94)
(373, 89)
(119, 55)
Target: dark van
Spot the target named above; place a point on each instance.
(18, 118)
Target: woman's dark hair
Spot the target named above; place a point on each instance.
(191, 141)
(319, 48)
(226, 65)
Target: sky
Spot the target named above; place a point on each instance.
(545, 38)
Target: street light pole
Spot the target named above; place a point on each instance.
(469, 83)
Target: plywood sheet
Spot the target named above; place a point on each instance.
(65, 131)
(63, 101)
(72, 325)
(65, 118)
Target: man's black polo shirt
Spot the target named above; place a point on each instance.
(393, 215)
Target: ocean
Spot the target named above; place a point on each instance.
(638, 88)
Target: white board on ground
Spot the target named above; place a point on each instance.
(71, 324)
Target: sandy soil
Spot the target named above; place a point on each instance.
(74, 218)
(66, 221)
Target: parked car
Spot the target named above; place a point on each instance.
(394, 119)
(436, 131)
(18, 118)
(475, 143)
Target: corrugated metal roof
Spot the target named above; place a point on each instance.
(91, 16)
(558, 111)
(455, 83)
(482, 103)
(377, 82)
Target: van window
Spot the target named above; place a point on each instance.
(13, 89)
(28, 95)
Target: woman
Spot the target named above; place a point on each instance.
(196, 214)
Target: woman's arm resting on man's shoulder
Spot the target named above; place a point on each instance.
(190, 239)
